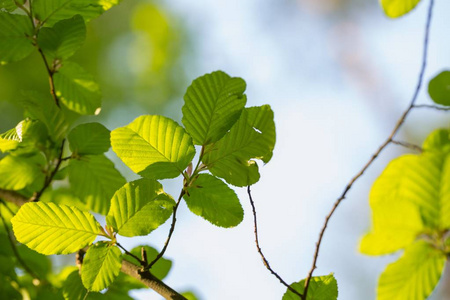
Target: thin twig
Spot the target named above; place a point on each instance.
(172, 228)
(265, 261)
(436, 107)
(407, 145)
(49, 178)
(142, 263)
(14, 248)
(380, 149)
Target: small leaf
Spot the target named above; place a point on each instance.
(439, 88)
(213, 103)
(139, 207)
(94, 179)
(252, 137)
(101, 265)
(153, 146)
(77, 89)
(89, 138)
(397, 8)
(17, 172)
(54, 229)
(320, 288)
(50, 12)
(160, 269)
(210, 198)
(414, 275)
(438, 140)
(63, 39)
(15, 37)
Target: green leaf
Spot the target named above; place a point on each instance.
(63, 39)
(89, 138)
(414, 275)
(77, 89)
(51, 229)
(210, 198)
(213, 103)
(438, 140)
(94, 180)
(39, 263)
(26, 138)
(139, 207)
(73, 289)
(190, 295)
(320, 288)
(101, 265)
(16, 172)
(153, 146)
(10, 139)
(397, 8)
(15, 37)
(252, 137)
(160, 269)
(63, 196)
(439, 88)
(7, 5)
(51, 11)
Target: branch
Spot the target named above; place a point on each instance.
(436, 107)
(407, 145)
(266, 263)
(375, 155)
(13, 197)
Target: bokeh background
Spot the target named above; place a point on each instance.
(337, 73)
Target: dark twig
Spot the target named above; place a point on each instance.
(436, 107)
(380, 149)
(172, 228)
(407, 145)
(14, 248)
(141, 262)
(266, 263)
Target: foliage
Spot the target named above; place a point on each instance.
(410, 201)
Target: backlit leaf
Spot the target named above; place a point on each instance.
(16, 172)
(320, 288)
(439, 88)
(54, 229)
(89, 138)
(139, 207)
(213, 103)
(153, 146)
(210, 198)
(15, 37)
(397, 8)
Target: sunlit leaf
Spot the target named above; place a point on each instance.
(160, 269)
(190, 295)
(101, 265)
(439, 88)
(94, 179)
(17, 173)
(77, 89)
(153, 146)
(252, 137)
(210, 198)
(213, 103)
(397, 8)
(89, 138)
(320, 288)
(63, 39)
(438, 140)
(15, 37)
(139, 207)
(51, 11)
(54, 229)
(414, 275)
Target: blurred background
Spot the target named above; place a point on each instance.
(337, 73)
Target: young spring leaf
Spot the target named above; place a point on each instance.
(213, 103)
(52, 11)
(54, 229)
(77, 89)
(63, 39)
(89, 138)
(414, 275)
(439, 88)
(94, 179)
(15, 37)
(139, 207)
(320, 288)
(397, 8)
(101, 265)
(160, 269)
(252, 137)
(153, 146)
(210, 198)
(17, 172)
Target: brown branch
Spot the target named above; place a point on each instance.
(375, 155)
(265, 261)
(172, 228)
(407, 145)
(13, 197)
(436, 107)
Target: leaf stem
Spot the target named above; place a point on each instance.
(389, 140)
(436, 107)
(407, 145)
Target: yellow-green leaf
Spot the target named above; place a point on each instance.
(397, 8)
